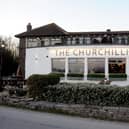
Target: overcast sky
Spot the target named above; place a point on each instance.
(72, 15)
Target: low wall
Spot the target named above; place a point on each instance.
(109, 113)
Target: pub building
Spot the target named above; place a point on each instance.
(51, 49)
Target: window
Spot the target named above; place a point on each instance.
(77, 40)
(96, 65)
(117, 65)
(88, 40)
(123, 40)
(58, 65)
(37, 42)
(69, 41)
(76, 65)
(33, 42)
(116, 40)
(56, 41)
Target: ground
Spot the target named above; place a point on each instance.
(12, 118)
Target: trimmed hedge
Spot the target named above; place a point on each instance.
(119, 75)
(37, 84)
(45, 87)
(96, 75)
(75, 75)
(89, 94)
(59, 74)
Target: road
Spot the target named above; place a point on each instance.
(11, 118)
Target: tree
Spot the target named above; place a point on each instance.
(9, 63)
(9, 60)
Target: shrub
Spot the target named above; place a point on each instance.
(38, 83)
(118, 75)
(86, 93)
(53, 78)
(89, 94)
(96, 75)
(74, 75)
(59, 74)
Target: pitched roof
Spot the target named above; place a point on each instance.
(46, 30)
(55, 30)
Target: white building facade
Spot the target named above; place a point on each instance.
(50, 49)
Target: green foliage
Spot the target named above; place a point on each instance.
(37, 84)
(59, 74)
(74, 75)
(89, 94)
(118, 75)
(43, 87)
(96, 75)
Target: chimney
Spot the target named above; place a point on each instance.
(29, 27)
(108, 30)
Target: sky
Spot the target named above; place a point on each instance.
(71, 15)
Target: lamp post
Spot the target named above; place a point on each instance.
(2, 46)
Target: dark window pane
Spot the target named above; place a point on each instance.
(117, 65)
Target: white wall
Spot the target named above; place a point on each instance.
(37, 61)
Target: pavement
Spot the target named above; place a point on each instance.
(12, 118)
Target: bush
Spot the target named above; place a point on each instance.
(119, 75)
(59, 74)
(38, 83)
(96, 75)
(89, 94)
(74, 75)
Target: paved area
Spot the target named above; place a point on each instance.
(11, 118)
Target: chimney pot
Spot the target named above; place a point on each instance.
(29, 27)
(108, 30)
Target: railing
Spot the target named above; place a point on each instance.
(77, 44)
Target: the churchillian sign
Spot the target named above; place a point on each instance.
(91, 52)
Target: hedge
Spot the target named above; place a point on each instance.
(89, 94)
(96, 76)
(75, 75)
(119, 75)
(37, 83)
(45, 87)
